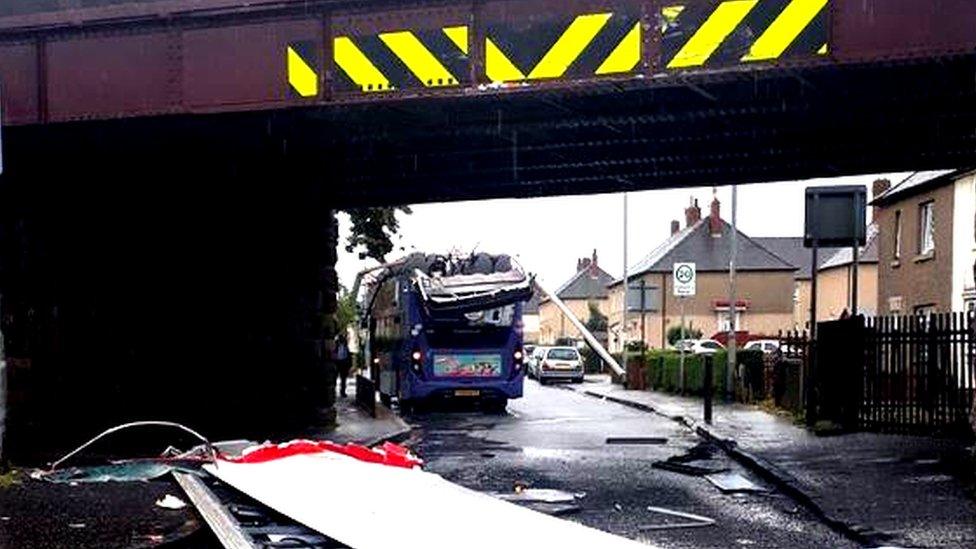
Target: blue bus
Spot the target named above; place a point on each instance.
(441, 327)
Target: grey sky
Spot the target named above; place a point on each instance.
(548, 235)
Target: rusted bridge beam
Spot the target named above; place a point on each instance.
(162, 57)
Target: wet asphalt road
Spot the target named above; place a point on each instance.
(556, 438)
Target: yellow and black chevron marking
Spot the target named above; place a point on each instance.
(742, 31)
(304, 66)
(402, 59)
(582, 46)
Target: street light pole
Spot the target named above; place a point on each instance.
(626, 290)
(729, 379)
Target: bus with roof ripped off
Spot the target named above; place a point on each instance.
(447, 327)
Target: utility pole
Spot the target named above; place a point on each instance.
(643, 306)
(681, 364)
(626, 290)
(856, 257)
(733, 242)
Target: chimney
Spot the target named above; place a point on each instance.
(583, 263)
(879, 187)
(692, 213)
(593, 265)
(715, 218)
(675, 227)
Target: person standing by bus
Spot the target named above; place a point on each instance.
(343, 363)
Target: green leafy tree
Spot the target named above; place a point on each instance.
(373, 230)
(674, 333)
(597, 321)
(346, 311)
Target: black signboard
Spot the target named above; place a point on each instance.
(836, 216)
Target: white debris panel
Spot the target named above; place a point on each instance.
(378, 506)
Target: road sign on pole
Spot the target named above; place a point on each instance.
(685, 277)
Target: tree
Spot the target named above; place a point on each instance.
(597, 321)
(373, 230)
(346, 311)
(674, 333)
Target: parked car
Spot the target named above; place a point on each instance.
(559, 363)
(532, 366)
(768, 346)
(699, 346)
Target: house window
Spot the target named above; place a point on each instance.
(723, 321)
(898, 234)
(926, 227)
(925, 310)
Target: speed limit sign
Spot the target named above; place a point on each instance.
(684, 279)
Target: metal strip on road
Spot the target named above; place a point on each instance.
(224, 525)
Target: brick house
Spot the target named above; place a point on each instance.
(790, 249)
(588, 285)
(765, 284)
(926, 243)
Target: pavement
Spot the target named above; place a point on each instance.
(554, 438)
(40, 514)
(878, 489)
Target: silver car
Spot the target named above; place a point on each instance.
(559, 363)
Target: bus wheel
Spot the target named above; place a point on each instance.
(496, 406)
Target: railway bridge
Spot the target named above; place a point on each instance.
(172, 167)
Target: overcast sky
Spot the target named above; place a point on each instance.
(548, 235)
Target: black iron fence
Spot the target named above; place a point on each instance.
(918, 373)
(900, 374)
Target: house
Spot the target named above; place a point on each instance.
(765, 284)
(926, 243)
(835, 283)
(530, 317)
(791, 249)
(588, 287)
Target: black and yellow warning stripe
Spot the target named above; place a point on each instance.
(695, 35)
(577, 47)
(403, 59)
(742, 31)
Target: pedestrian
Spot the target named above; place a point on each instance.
(343, 363)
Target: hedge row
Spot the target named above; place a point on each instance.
(662, 371)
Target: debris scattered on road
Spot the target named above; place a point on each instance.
(636, 440)
(686, 469)
(536, 495)
(618, 507)
(299, 480)
(127, 471)
(734, 482)
(693, 521)
(170, 502)
(703, 452)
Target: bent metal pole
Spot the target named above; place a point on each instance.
(590, 340)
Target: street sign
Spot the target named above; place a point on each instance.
(685, 278)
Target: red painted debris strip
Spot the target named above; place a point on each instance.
(387, 454)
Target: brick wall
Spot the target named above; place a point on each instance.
(915, 279)
(147, 281)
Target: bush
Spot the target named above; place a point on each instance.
(592, 363)
(690, 332)
(663, 372)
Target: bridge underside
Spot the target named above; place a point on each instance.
(710, 130)
(183, 266)
(734, 128)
